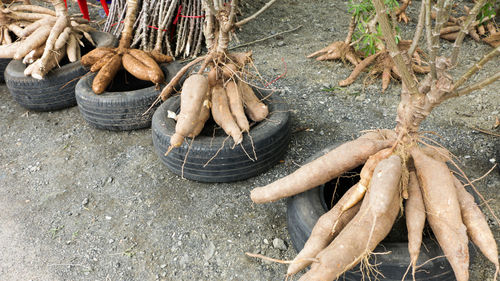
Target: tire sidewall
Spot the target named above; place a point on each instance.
(120, 111)
(56, 90)
(269, 139)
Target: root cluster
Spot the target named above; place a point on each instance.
(219, 92)
(485, 30)
(107, 61)
(377, 64)
(365, 214)
(44, 36)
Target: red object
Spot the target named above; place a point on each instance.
(84, 9)
(104, 5)
(66, 4)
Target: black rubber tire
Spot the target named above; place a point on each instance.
(270, 141)
(57, 89)
(3, 66)
(303, 210)
(120, 110)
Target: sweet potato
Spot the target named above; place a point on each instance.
(212, 77)
(222, 114)
(135, 67)
(415, 219)
(443, 210)
(323, 232)
(193, 94)
(100, 63)
(159, 57)
(236, 106)
(240, 59)
(477, 226)
(371, 224)
(95, 55)
(154, 71)
(106, 74)
(331, 165)
(256, 110)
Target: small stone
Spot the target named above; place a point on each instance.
(209, 251)
(110, 180)
(281, 43)
(493, 160)
(110, 241)
(266, 241)
(279, 244)
(108, 218)
(163, 265)
(85, 202)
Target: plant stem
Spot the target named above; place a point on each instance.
(418, 32)
(475, 86)
(465, 28)
(428, 33)
(394, 52)
(129, 24)
(495, 52)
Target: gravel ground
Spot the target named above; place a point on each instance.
(77, 203)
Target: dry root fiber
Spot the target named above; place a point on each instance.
(44, 36)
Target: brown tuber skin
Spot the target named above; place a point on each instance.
(193, 94)
(326, 229)
(370, 225)
(443, 216)
(140, 64)
(415, 219)
(331, 165)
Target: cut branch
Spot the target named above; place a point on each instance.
(475, 87)
(495, 52)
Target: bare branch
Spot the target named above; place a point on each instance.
(242, 22)
(352, 26)
(465, 29)
(475, 86)
(495, 52)
(395, 53)
(418, 32)
(428, 33)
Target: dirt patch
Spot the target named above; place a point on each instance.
(78, 203)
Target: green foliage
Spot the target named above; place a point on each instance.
(488, 10)
(364, 12)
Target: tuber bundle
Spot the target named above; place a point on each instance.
(397, 165)
(108, 61)
(44, 36)
(218, 87)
